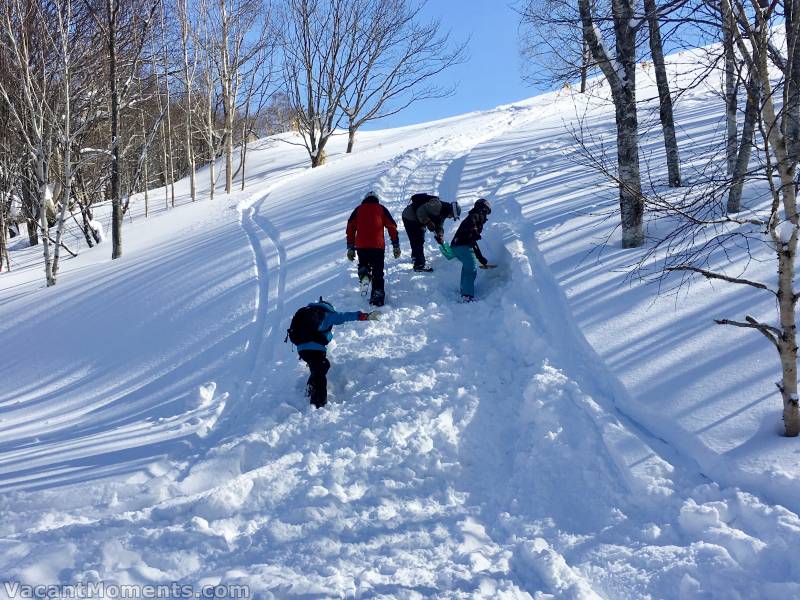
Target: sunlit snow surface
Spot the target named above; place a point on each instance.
(566, 436)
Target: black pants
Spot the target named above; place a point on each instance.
(317, 386)
(370, 262)
(416, 238)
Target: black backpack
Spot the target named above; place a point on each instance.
(304, 327)
(418, 200)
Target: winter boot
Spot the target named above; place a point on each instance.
(317, 392)
(466, 298)
(364, 282)
(377, 298)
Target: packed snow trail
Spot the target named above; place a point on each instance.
(468, 451)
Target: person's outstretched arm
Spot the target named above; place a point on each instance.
(338, 318)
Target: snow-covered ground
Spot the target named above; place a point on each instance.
(570, 435)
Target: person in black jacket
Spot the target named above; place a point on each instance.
(426, 212)
(465, 247)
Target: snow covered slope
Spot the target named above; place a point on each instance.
(564, 437)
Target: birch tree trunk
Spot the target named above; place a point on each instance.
(664, 96)
(228, 103)
(43, 222)
(210, 133)
(208, 81)
(243, 153)
(731, 85)
(66, 133)
(791, 109)
(29, 207)
(145, 169)
(170, 159)
(162, 128)
(188, 80)
(787, 254)
(3, 237)
(787, 341)
(745, 148)
(112, 8)
(585, 58)
(351, 139)
(785, 337)
(620, 72)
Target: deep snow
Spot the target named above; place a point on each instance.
(566, 436)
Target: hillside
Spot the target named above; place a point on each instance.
(569, 435)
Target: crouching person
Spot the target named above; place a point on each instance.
(311, 330)
(465, 247)
(426, 212)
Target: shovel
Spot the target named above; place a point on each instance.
(447, 251)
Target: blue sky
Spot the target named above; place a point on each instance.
(492, 74)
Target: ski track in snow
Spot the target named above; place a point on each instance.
(468, 451)
(271, 278)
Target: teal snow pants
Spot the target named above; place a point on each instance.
(469, 268)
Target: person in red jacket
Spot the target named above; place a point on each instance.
(365, 238)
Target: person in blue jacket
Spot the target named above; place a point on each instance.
(311, 331)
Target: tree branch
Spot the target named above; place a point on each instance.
(712, 275)
(773, 334)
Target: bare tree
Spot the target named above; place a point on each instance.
(166, 132)
(236, 34)
(204, 39)
(257, 81)
(319, 60)
(26, 95)
(396, 59)
(108, 21)
(553, 44)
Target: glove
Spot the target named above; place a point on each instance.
(439, 238)
(430, 226)
(351, 254)
(396, 251)
(375, 315)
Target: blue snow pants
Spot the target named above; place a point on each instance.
(469, 268)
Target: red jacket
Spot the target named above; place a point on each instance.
(366, 223)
